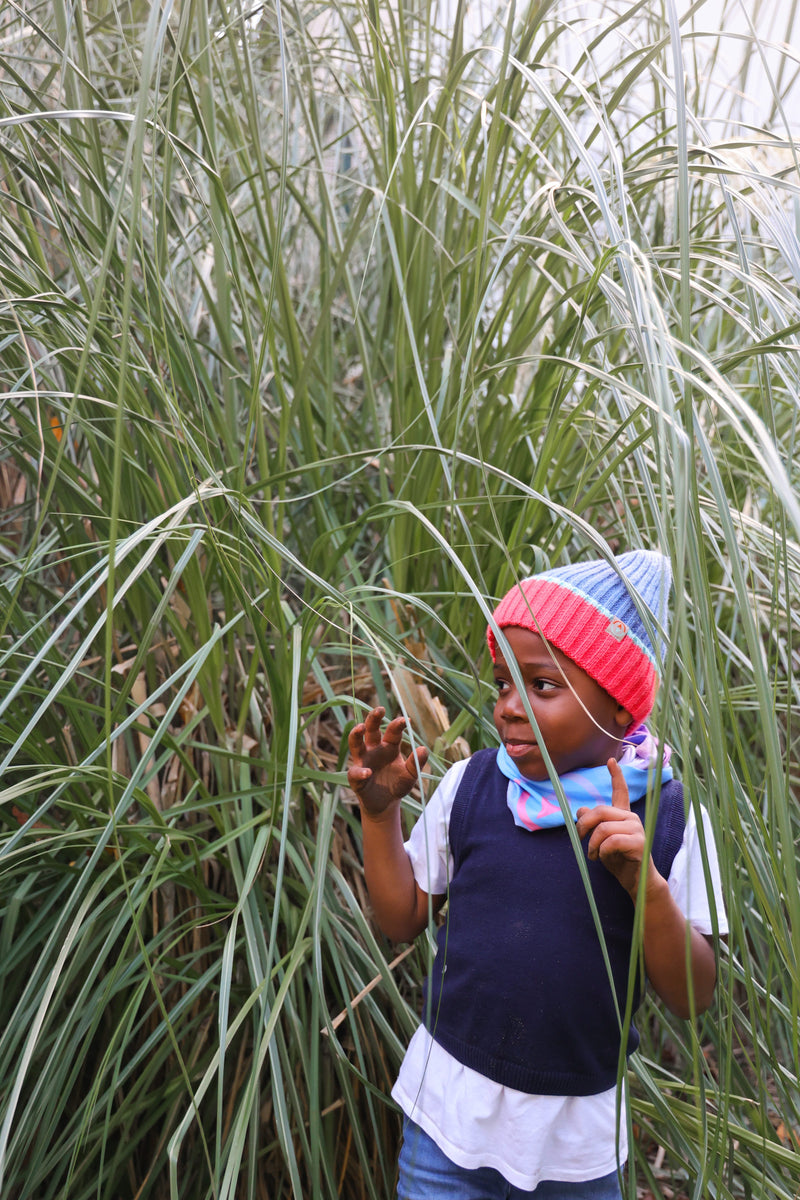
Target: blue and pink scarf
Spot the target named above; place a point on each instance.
(534, 803)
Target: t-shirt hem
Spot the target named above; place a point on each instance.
(472, 1162)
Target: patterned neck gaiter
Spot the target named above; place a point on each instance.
(534, 804)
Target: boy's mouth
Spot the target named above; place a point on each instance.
(517, 748)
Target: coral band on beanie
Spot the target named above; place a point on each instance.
(588, 611)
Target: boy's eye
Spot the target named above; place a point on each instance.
(500, 684)
(543, 685)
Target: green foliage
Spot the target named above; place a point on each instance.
(319, 325)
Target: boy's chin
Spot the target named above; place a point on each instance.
(536, 774)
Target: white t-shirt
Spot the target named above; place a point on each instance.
(479, 1123)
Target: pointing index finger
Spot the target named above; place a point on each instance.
(619, 788)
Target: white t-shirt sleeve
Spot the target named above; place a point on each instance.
(687, 879)
(428, 845)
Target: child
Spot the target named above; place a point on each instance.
(509, 1085)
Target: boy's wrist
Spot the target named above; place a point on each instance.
(656, 892)
(381, 816)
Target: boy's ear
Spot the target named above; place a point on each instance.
(622, 717)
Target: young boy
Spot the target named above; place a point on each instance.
(509, 1085)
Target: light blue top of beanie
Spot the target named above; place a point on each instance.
(648, 572)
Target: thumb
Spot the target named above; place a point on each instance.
(357, 777)
(619, 788)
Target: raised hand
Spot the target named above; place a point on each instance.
(617, 835)
(379, 773)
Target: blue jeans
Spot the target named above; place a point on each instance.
(428, 1174)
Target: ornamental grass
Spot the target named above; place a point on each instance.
(320, 324)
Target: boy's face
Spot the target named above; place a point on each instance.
(581, 725)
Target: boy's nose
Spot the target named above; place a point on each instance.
(513, 708)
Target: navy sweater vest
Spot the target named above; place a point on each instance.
(519, 990)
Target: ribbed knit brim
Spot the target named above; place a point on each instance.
(588, 612)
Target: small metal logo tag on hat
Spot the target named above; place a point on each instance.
(617, 629)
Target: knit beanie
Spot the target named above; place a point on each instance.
(588, 612)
